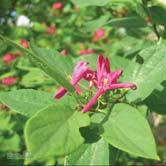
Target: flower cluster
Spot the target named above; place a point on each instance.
(103, 79)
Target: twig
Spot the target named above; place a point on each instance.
(151, 19)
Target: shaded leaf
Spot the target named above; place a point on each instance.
(158, 14)
(90, 154)
(127, 22)
(157, 100)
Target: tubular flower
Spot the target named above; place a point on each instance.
(106, 80)
(81, 70)
(60, 93)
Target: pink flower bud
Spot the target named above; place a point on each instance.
(64, 52)
(9, 81)
(51, 30)
(8, 58)
(57, 5)
(99, 34)
(86, 51)
(24, 43)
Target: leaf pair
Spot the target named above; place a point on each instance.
(126, 129)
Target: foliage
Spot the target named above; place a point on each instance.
(60, 103)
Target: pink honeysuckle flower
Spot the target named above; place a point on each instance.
(86, 51)
(64, 52)
(51, 30)
(106, 80)
(24, 43)
(9, 81)
(57, 5)
(99, 34)
(81, 70)
(8, 58)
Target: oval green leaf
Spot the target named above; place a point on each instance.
(54, 132)
(127, 130)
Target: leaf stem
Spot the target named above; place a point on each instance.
(151, 18)
(111, 106)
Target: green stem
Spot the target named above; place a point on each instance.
(111, 106)
(151, 18)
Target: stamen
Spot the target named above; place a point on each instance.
(105, 81)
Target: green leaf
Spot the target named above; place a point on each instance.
(84, 3)
(4, 39)
(9, 140)
(127, 22)
(90, 154)
(91, 26)
(157, 100)
(158, 14)
(33, 78)
(127, 130)
(114, 155)
(5, 121)
(10, 144)
(118, 62)
(55, 132)
(26, 102)
(54, 64)
(147, 75)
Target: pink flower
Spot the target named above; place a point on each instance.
(51, 30)
(24, 43)
(60, 93)
(81, 70)
(106, 80)
(9, 81)
(86, 51)
(57, 5)
(64, 52)
(99, 34)
(8, 58)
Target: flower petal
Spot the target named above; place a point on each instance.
(80, 69)
(60, 93)
(107, 65)
(114, 76)
(77, 89)
(93, 100)
(100, 69)
(122, 85)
